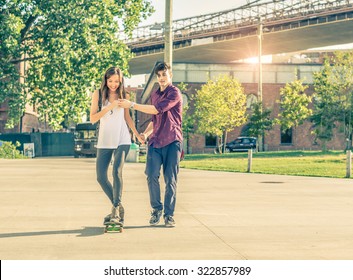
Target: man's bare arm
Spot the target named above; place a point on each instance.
(148, 131)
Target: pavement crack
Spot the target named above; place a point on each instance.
(217, 236)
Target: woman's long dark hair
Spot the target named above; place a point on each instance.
(104, 88)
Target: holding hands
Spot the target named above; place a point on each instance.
(141, 139)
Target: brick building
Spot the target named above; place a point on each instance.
(275, 77)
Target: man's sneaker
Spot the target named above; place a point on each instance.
(155, 216)
(169, 221)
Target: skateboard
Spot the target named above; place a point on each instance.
(113, 227)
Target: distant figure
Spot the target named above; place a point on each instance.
(165, 143)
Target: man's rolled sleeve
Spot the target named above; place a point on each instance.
(169, 102)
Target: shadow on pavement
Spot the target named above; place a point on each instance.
(146, 226)
(84, 232)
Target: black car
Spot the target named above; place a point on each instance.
(85, 140)
(241, 144)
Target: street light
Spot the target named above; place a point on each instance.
(168, 32)
(259, 35)
(167, 28)
(260, 30)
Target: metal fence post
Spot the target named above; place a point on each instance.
(249, 160)
(348, 164)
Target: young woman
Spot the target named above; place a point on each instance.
(113, 138)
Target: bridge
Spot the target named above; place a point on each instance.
(222, 37)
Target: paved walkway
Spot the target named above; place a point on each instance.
(52, 208)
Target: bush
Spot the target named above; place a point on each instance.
(9, 150)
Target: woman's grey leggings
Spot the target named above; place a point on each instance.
(104, 157)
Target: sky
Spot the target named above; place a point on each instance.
(190, 8)
(184, 9)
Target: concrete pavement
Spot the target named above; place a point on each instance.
(52, 209)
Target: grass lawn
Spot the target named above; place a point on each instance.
(304, 163)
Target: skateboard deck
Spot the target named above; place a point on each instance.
(113, 228)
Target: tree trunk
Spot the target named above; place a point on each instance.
(260, 143)
(224, 141)
(324, 146)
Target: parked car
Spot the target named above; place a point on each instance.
(241, 144)
(85, 140)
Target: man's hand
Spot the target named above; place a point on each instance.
(124, 103)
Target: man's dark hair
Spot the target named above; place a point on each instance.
(163, 66)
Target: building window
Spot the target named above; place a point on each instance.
(250, 100)
(286, 136)
(210, 140)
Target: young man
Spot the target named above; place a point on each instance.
(165, 143)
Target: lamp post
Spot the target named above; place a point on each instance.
(259, 34)
(167, 27)
(259, 91)
(168, 32)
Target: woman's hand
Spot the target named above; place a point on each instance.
(114, 104)
(124, 103)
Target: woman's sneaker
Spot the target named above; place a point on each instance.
(107, 219)
(116, 221)
(169, 221)
(121, 213)
(117, 215)
(155, 217)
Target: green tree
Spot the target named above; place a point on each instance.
(325, 107)
(342, 78)
(294, 104)
(9, 150)
(260, 121)
(68, 45)
(188, 120)
(220, 106)
(333, 97)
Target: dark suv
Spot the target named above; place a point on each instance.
(85, 140)
(241, 144)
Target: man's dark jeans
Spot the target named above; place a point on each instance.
(168, 157)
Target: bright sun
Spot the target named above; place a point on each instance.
(254, 60)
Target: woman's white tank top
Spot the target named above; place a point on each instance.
(113, 130)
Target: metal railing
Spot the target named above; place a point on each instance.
(241, 17)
